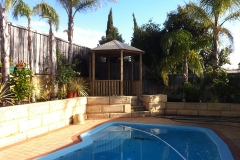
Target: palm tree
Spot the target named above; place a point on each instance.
(5, 6)
(72, 7)
(215, 13)
(23, 10)
(46, 11)
(179, 47)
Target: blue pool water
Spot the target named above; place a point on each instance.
(135, 141)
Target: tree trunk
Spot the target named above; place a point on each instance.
(53, 60)
(5, 48)
(215, 53)
(70, 36)
(185, 68)
(30, 46)
(52, 52)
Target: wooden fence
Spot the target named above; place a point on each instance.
(19, 50)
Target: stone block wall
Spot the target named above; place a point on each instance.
(203, 109)
(21, 122)
(108, 107)
(154, 103)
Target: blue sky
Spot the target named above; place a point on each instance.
(89, 27)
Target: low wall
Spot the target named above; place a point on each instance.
(108, 107)
(156, 104)
(203, 109)
(21, 122)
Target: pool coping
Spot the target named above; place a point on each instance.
(84, 139)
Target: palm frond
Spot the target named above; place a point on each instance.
(197, 12)
(231, 17)
(5, 95)
(225, 31)
(9, 3)
(46, 11)
(195, 63)
(21, 9)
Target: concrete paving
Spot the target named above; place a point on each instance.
(227, 128)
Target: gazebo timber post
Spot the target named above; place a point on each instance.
(93, 73)
(108, 59)
(140, 75)
(132, 64)
(121, 80)
(90, 71)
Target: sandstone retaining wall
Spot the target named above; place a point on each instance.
(21, 122)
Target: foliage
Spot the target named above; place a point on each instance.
(65, 70)
(184, 37)
(82, 87)
(21, 9)
(111, 32)
(20, 81)
(5, 95)
(207, 56)
(190, 92)
(72, 86)
(178, 46)
(213, 14)
(222, 88)
(147, 38)
(78, 84)
(46, 11)
(73, 6)
(61, 94)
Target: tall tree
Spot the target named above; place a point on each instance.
(135, 31)
(23, 10)
(184, 37)
(111, 32)
(5, 6)
(147, 38)
(215, 13)
(179, 47)
(46, 11)
(72, 7)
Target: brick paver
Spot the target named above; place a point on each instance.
(64, 137)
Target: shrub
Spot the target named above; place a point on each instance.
(20, 80)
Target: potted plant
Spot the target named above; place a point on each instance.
(65, 71)
(72, 88)
(82, 87)
(61, 94)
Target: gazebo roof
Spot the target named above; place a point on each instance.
(116, 45)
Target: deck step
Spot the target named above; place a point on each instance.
(118, 115)
(138, 108)
(141, 114)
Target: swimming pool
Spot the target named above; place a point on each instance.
(135, 141)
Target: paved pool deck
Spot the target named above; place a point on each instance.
(227, 128)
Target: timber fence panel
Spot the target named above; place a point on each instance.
(19, 49)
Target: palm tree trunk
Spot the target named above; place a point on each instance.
(30, 47)
(185, 68)
(5, 48)
(53, 61)
(215, 53)
(70, 36)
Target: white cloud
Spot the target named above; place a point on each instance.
(87, 37)
(84, 37)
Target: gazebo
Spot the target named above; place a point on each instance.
(115, 81)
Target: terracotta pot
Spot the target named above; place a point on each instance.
(75, 94)
(69, 94)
